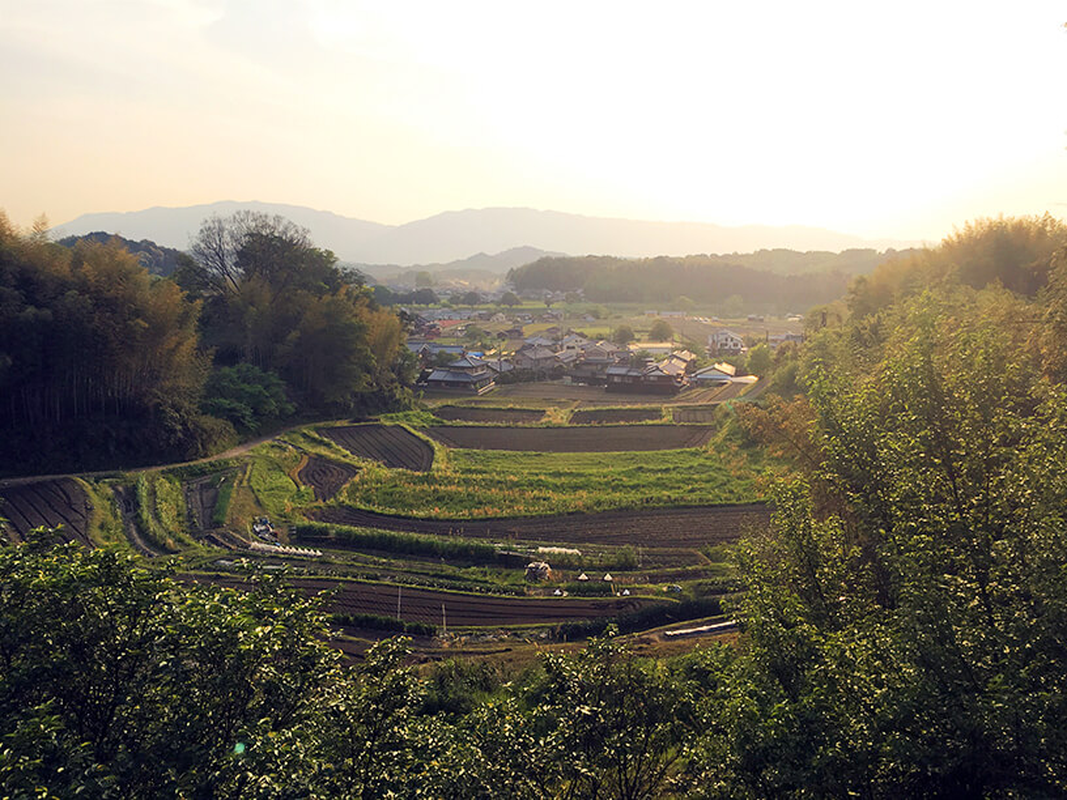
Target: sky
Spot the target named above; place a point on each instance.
(888, 121)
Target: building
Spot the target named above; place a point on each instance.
(466, 375)
(715, 375)
(724, 342)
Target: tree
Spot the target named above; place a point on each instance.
(246, 396)
(98, 358)
(919, 563)
(623, 334)
(661, 331)
(217, 245)
(759, 360)
(510, 299)
(117, 681)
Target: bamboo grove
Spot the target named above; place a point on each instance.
(102, 363)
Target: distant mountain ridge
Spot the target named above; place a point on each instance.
(456, 235)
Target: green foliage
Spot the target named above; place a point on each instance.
(221, 514)
(161, 512)
(245, 396)
(118, 682)
(272, 486)
(376, 622)
(920, 565)
(661, 331)
(759, 360)
(396, 542)
(495, 483)
(623, 334)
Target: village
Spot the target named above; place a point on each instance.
(473, 352)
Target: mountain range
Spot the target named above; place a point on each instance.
(456, 235)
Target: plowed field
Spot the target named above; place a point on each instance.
(690, 527)
(47, 503)
(580, 439)
(461, 610)
(325, 477)
(392, 445)
(601, 416)
(504, 415)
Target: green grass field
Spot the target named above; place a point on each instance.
(483, 483)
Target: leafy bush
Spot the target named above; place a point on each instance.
(396, 542)
(246, 396)
(377, 622)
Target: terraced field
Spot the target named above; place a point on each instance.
(602, 416)
(47, 503)
(392, 445)
(460, 609)
(693, 414)
(686, 527)
(577, 439)
(515, 416)
(325, 477)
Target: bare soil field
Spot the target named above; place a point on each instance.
(601, 416)
(392, 445)
(48, 503)
(504, 415)
(685, 527)
(579, 439)
(460, 609)
(325, 477)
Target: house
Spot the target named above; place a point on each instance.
(535, 357)
(715, 375)
(662, 378)
(593, 365)
(686, 359)
(574, 342)
(465, 375)
(726, 342)
(654, 349)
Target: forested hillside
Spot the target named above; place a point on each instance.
(102, 363)
(157, 259)
(769, 280)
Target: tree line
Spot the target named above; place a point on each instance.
(759, 279)
(102, 362)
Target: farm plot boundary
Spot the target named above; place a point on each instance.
(574, 439)
(686, 527)
(325, 477)
(458, 608)
(48, 503)
(481, 414)
(390, 445)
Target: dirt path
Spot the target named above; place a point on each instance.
(103, 473)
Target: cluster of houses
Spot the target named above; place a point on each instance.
(647, 368)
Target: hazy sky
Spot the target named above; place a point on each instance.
(883, 120)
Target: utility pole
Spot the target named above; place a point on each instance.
(444, 620)
(398, 603)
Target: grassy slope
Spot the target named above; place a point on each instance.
(484, 483)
